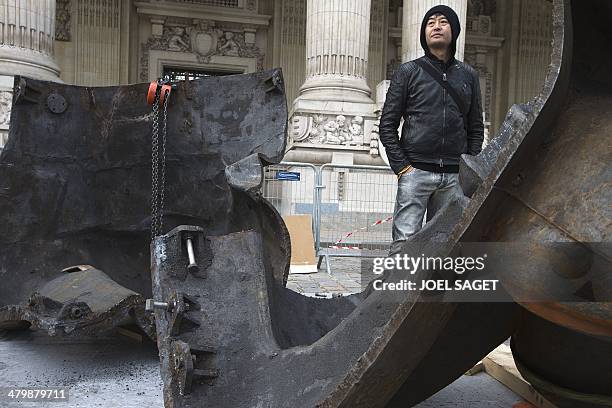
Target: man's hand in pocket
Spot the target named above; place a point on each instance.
(405, 170)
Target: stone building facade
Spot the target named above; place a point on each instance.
(336, 55)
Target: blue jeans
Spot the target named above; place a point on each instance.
(417, 191)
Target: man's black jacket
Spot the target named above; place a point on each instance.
(434, 134)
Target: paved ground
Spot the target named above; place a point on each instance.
(99, 373)
(345, 278)
(115, 372)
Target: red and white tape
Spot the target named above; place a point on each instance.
(343, 247)
(349, 234)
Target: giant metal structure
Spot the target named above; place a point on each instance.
(75, 180)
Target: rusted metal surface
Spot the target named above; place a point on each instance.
(81, 301)
(388, 350)
(560, 192)
(571, 369)
(224, 350)
(75, 185)
(384, 350)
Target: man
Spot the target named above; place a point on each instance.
(440, 123)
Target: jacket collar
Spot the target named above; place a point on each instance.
(439, 63)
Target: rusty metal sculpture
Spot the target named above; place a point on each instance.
(74, 189)
(388, 351)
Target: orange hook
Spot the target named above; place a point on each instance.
(152, 92)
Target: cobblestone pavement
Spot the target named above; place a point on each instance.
(345, 278)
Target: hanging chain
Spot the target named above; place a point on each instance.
(154, 168)
(162, 182)
(158, 97)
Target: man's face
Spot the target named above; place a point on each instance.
(438, 32)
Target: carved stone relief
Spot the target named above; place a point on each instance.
(375, 136)
(481, 8)
(481, 16)
(328, 130)
(62, 20)
(203, 39)
(6, 99)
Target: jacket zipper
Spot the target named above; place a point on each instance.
(444, 120)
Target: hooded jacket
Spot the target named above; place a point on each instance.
(434, 135)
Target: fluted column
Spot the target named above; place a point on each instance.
(337, 40)
(27, 31)
(414, 11)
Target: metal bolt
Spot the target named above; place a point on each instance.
(192, 262)
(151, 305)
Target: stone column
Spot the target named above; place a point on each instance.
(334, 115)
(414, 11)
(337, 40)
(27, 31)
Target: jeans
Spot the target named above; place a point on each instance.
(417, 191)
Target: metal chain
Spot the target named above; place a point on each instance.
(158, 169)
(154, 168)
(162, 182)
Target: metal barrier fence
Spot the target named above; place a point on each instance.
(290, 187)
(351, 206)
